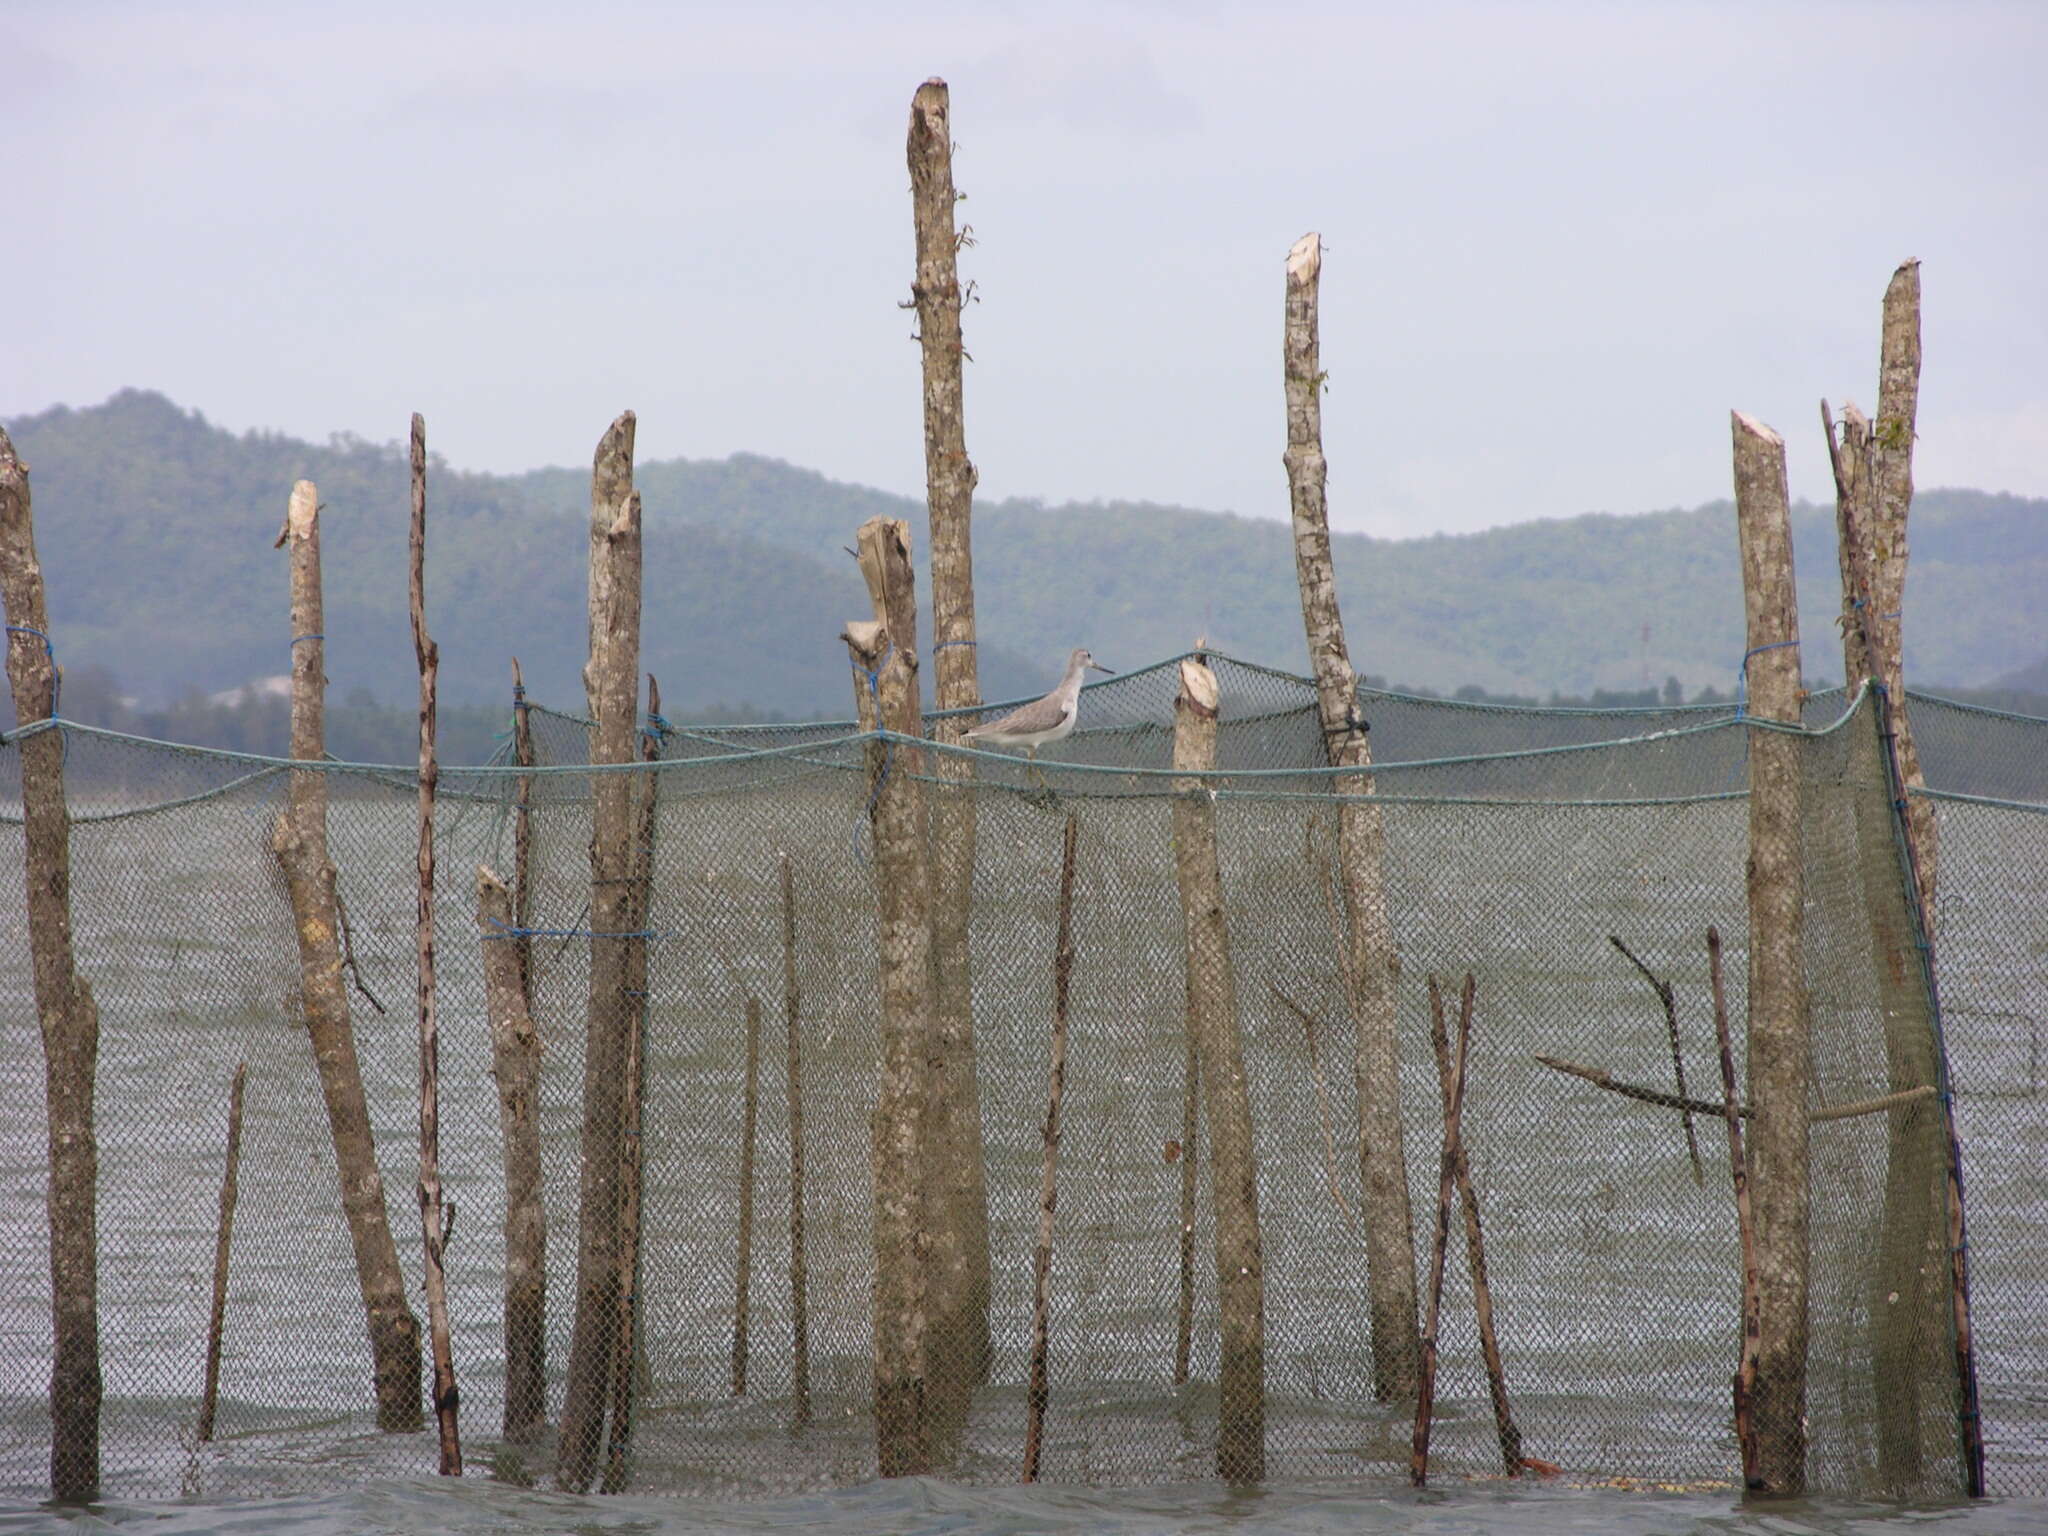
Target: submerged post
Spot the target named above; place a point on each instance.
(884, 655)
(300, 844)
(64, 1007)
(1361, 839)
(1780, 1043)
(956, 1336)
(1212, 1011)
(446, 1398)
(515, 1065)
(610, 680)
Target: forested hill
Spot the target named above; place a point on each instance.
(155, 530)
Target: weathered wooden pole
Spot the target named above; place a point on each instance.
(1509, 1436)
(515, 1064)
(1212, 1010)
(1452, 1069)
(884, 655)
(64, 1007)
(223, 1238)
(1780, 1042)
(750, 1105)
(956, 1335)
(629, 1348)
(610, 679)
(447, 1400)
(1752, 1282)
(300, 844)
(1361, 841)
(799, 1272)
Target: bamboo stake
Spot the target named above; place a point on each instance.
(1212, 1010)
(1668, 997)
(1361, 842)
(1780, 1043)
(1752, 1304)
(64, 1004)
(610, 678)
(299, 841)
(749, 1116)
(223, 1235)
(1475, 1253)
(956, 1334)
(628, 1354)
(799, 1286)
(432, 1230)
(884, 655)
(515, 1065)
(1041, 1264)
(1447, 1178)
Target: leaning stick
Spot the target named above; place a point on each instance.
(522, 834)
(1475, 1256)
(1668, 998)
(1041, 1264)
(221, 1239)
(1315, 1066)
(799, 1301)
(1190, 1110)
(1599, 1077)
(1752, 1298)
(749, 1118)
(1454, 1107)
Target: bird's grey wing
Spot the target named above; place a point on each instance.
(1038, 715)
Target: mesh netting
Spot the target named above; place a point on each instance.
(1517, 842)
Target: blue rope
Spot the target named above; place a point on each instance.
(56, 672)
(1742, 675)
(944, 643)
(297, 638)
(874, 676)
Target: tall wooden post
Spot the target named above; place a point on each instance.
(300, 843)
(610, 679)
(1212, 1009)
(884, 655)
(1361, 840)
(429, 657)
(64, 1007)
(1780, 1042)
(956, 1336)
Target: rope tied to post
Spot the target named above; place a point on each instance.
(1742, 674)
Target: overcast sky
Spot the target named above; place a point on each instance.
(1563, 239)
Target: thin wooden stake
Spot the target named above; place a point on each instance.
(1190, 1115)
(1475, 1253)
(522, 834)
(799, 1281)
(1041, 1264)
(1752, 1285)
(1668, 997)
(223, 1236)
(432, 1228)
(1447, 1178)
(749, 1117)
(1315, 1067)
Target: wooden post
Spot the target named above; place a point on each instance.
(799, 1274)
(1475, 1242)
(300, 843)
(609, 679)
(216, 1320)
(446, 1398)
(1752, 1285)
(629, 1349)
(749, 1119)
(1056, 1078)
(956, 1335)
(1190, 1110)
(64, 1007)
(1452, 1070)
(1371, 962)
(1212, 1007)
(884, 653)
(515, 1064)
(1780, 1044)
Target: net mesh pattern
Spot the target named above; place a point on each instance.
(1516, 843)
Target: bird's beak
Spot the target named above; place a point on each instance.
(1098, 666)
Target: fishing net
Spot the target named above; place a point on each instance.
(1518, 843)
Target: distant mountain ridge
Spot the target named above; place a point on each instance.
(155, 527)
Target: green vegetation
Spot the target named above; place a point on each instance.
(155, 530)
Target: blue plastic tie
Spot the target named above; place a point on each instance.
(1742, 675)
(57, 672)
(297, 638)
(944, 643)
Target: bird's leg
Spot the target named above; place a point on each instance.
(1037, 774)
